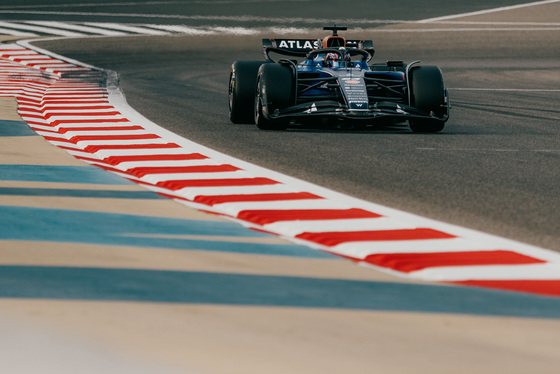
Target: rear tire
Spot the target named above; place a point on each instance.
(242, 87)
(275, 91)
(427, 94)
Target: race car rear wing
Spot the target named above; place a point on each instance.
(307, 45)
(293, 45)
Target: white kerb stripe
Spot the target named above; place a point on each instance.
(95, 124)
(79, 153)
(40, 127)
(64, 144)
(80, 118)
(78, 111)
(235, 208)
(108, 132)
(544, 271)
(54, 106)
(365, 248)
(285, 205)
(193, 192)
(155, 178)
(175, 163)
(293, 228)
(104, 153)
(86, 143)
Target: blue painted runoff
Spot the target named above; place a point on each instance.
(15, 128)
(60, 174)
(261, 290)
(64, 192)
(76, 226)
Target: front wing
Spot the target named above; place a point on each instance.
(333, 109)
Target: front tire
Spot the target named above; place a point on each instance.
(427, 94)
(242, 87)
(275, 91)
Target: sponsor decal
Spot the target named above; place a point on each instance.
(355, 92)
(297, 44)
(312, 109)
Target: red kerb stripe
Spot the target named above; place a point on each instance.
(64, 130)
(331, 239)
(79, 138)
(95, 148)
(178, 184)
(115, 160)
(408, 262)
(27, 109)
(35, 58)
(142, 171)
(66, 101)
(25, 115)
(540, 287)
(220, 199)
(263, 217)
(91, 159)
(74, 91)
(93, 114)
(43, 130)
(54, 139)
(103, 120)
(39, 123)
(109, 168)
(74, 108)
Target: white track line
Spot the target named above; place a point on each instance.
(15, 32)
(115, 29)
(70, 26)
(47, 30)
(464, 29)
(494, 10)
(137, 29)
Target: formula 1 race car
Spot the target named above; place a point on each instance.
(331, 80)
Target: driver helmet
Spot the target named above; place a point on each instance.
(332, 60)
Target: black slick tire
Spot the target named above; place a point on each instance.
(275, 91)
(242, 88)
(427, 94)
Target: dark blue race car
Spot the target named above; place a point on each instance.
(331, 80)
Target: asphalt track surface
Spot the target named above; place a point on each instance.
(494, 168)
